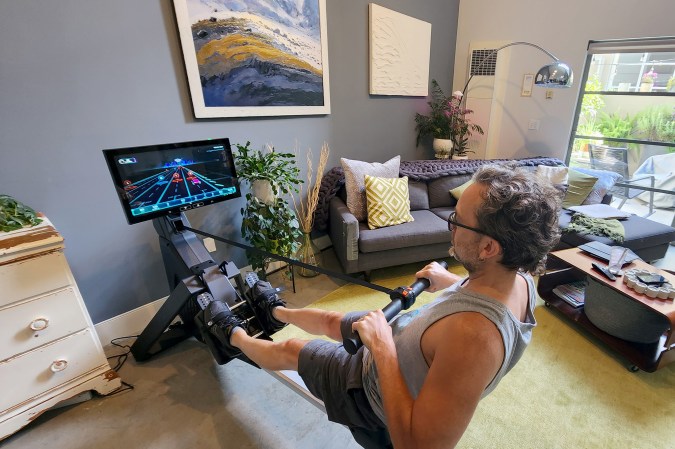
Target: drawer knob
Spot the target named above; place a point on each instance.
(39, 324)
(59, 365)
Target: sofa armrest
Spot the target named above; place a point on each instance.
(344, 231)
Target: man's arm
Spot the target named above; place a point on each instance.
(467, 352)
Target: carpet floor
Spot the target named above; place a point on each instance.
(566, 392)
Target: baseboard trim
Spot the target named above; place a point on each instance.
(128, 323)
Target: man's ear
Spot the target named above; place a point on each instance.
(490, 248)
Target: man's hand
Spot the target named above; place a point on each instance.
(439, 277)
(374, 331)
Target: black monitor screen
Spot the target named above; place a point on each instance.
(158, 180)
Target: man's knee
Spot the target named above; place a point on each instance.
(332, 322)
(290, 350)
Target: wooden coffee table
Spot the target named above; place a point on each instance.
(647, 357)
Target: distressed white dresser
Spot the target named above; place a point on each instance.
(49, 350)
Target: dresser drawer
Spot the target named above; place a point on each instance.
(36, 372)
(32, 276)
(27, 325)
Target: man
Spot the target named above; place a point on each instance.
(419, 380)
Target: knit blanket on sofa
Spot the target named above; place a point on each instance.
(421, 170)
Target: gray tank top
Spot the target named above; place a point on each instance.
(409, 327)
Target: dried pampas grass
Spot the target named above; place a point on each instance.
(307, 206)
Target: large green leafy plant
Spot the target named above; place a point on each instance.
(15, 215)
(270, 225)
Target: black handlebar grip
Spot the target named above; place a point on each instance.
(353, 342)
(422, 284)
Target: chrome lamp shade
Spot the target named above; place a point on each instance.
(556, 74)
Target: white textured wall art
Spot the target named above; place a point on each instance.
(399, 53)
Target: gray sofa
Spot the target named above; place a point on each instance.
(360, 249)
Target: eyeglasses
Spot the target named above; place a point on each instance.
(452, 222)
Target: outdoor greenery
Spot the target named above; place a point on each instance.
(271, 225)
(670, 85)
(615, 125)
(655, 123)
(447, 120)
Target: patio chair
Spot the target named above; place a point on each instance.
(615, 159)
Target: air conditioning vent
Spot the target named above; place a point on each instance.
(488, 67)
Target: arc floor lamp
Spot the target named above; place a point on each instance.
(557, 74)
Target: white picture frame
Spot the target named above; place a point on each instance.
(256, 61)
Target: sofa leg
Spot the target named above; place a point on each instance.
(366, 275)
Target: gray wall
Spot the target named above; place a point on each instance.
(79, 76)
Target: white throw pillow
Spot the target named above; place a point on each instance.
(556, 175)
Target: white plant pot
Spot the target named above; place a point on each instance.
(442, 148)
(262, 189)
(646, 87)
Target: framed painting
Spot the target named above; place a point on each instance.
(248, 58)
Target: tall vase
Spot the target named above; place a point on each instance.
(442, 148)
(308, 253)
(262, 189)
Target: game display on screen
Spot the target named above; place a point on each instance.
(158, 180)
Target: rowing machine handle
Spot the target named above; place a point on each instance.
(402, 298)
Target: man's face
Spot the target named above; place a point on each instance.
(465, 242)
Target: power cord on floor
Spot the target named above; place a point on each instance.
(121, 359)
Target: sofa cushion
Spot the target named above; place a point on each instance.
(439, 190)
(428, 228)
(605, 182)
(387, 200)
(355, 172)
(639, 233)
(419, 195)
(555, 175)
(457, 191)
(580, 186)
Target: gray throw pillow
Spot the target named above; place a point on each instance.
(355, 185)
(605, 182)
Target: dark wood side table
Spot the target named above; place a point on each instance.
(647, 357)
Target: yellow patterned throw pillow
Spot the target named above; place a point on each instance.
(387, 201)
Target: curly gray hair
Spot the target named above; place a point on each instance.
(523, 212)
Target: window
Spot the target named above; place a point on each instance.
(625, 122)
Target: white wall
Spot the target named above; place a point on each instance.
(563, 31)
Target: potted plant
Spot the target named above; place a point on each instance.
(269, 222)
(647, 81)
(446, 123)
(670, 85)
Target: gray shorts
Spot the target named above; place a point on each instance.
(334, 376)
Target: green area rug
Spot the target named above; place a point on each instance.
(566, 391)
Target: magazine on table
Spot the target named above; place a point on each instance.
(572, 293)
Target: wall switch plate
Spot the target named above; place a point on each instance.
(528, 82)
(533, 125)
(549, 94)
